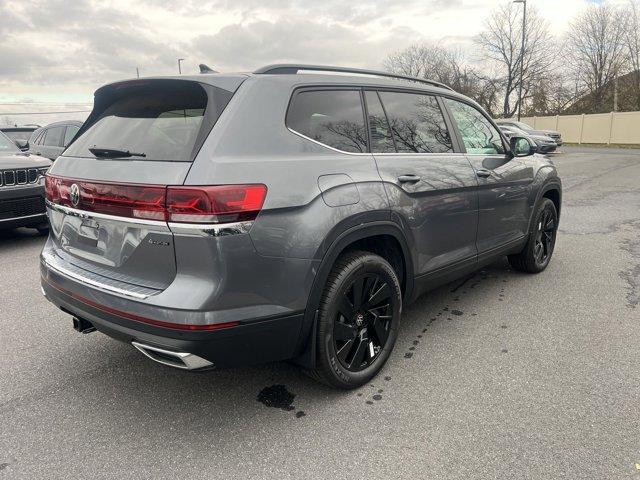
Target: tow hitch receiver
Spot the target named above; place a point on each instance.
(83, 326)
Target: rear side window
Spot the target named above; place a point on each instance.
(380, 132)
(478, 135)
(164, 120)
(417, 123)
(53, 136)
(331, 117)
(70, 133)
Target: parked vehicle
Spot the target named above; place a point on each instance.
(555, 136)
(221, 220)
(543, 144)
(51, 140)
(19, 134)
(21, 187)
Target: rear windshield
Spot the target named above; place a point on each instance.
(156, 120)
(19, 134)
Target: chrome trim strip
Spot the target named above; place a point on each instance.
(356, 154)
(93, 215)
(43, 214)
(375, 154)
(206, 229)
(211, 230)
(184, 361)
(88, 281)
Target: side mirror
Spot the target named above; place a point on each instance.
(521, 146)
(23, 145)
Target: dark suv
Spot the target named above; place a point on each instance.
(21, 187)
(220, 220)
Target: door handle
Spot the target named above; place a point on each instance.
(409, 178)
(483, 173)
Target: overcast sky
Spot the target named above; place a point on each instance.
(62, 50)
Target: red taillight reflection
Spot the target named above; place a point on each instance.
(186, 204)
(215, 204)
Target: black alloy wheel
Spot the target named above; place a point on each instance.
(363, 321)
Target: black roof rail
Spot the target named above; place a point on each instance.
(292, 69)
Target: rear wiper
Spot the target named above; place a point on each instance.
(114, 153)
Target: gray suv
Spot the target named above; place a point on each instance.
(286, 214)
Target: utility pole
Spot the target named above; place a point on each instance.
(615, 91)
(179, 68)
(137, 72)
(524, 27)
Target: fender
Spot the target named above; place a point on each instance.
(544, 181)
(307, 343)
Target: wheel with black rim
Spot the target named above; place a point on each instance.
(358, 320)
(536, 255)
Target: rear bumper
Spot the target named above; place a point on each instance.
(249, 342)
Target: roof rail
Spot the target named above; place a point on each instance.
(292, 69)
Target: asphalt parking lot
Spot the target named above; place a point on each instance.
(501, 376)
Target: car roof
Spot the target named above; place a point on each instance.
(316, 76)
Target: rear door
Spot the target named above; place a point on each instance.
(504, 182)
(430, 184)
(106, 193)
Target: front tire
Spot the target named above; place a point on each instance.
(358, 320)
(536, 255)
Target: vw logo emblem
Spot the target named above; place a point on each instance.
(359, 319)
(74, 194)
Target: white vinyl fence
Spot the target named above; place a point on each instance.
(606, 128)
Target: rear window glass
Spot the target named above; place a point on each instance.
(165, 121)
(19, 134)
(53, 137)
(332, 117)
(417, 123)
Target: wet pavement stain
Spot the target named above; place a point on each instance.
(3, 466)
(457, 312)
(504, 350)
(408, 355)
(277, 396)
(387, 378)
(377, 397)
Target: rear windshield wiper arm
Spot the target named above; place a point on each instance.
(114, 153)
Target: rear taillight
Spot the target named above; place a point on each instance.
(215, 204)
(206, 204)
(125, 200)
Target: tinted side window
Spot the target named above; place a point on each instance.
(53, 136)
(478, 135)
(70, 133)
(332, 117)
(417, 123)
(381, 138)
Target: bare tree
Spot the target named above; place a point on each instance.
(632, 44)
(444, 65)
(501, 43)
(596, 50)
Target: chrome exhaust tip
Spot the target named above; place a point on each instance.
(182, 360)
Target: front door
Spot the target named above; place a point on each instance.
(504, 182)
(431, 188)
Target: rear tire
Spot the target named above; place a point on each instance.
(43, 229)
(536, 255)
(358, 320)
